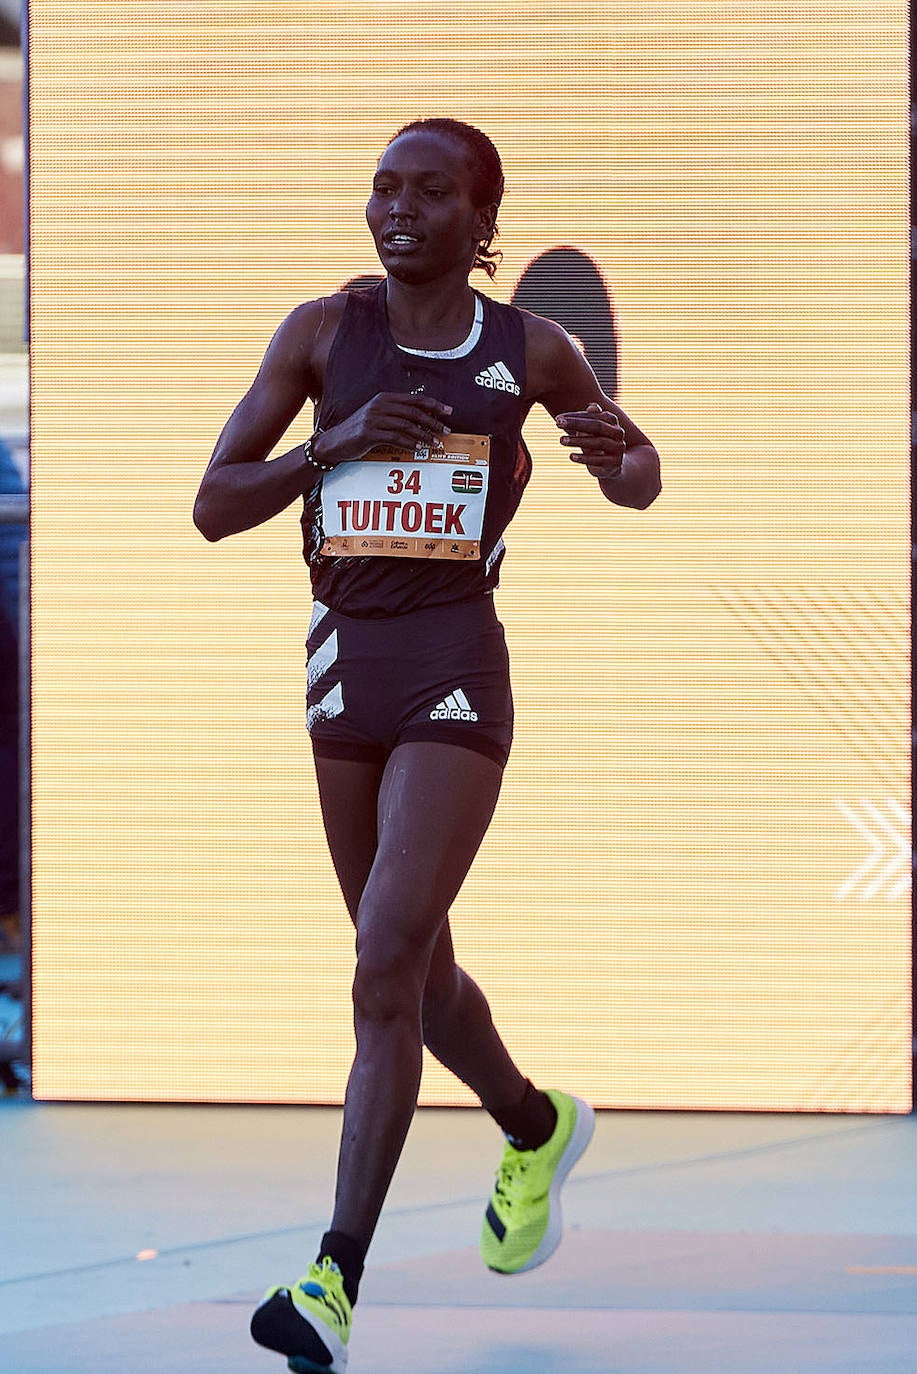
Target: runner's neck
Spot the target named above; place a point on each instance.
(425, 319)
(461, 350)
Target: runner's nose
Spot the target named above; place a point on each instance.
(402, 206)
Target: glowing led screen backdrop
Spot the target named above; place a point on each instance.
(695, 891)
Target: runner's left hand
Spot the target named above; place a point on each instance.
(599, 436)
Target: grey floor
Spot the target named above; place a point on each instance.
(727, 1244)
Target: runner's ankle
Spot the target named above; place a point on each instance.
(349, 1256)
(528, 1124)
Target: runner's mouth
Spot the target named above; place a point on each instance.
(399, 241)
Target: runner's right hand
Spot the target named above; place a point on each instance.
(391, 417)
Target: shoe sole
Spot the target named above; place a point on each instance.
(576, 1148)
(284, 1326)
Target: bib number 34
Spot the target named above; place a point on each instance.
(400, 481)
(398, 503)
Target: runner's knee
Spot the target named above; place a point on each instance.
(389, 979)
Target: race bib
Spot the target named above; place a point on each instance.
(401, 503)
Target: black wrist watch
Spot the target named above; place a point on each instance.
(312, 462)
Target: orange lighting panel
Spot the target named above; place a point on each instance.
(695, 890)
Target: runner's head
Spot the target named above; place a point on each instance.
(487, 173)
(439, 182)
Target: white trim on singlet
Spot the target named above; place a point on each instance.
(463, 349)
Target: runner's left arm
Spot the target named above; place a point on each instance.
(596, 431)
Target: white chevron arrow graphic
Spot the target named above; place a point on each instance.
(886, 869)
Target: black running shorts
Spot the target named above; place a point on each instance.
(439, 674)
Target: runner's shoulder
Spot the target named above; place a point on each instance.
(543, 335)
(303, 339)
(547, 347)
(309, 321)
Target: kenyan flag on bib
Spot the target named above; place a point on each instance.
(466, 479)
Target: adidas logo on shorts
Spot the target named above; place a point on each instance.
(455, 707)
(498, 377)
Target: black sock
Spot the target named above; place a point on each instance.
(530, 1123)
(348, 1254)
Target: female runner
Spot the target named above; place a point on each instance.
(409, 703)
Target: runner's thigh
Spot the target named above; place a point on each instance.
(348, 790)
(435, 804)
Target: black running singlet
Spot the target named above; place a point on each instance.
(485, 389)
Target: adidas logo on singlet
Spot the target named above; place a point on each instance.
(498, 377)
(455, 707)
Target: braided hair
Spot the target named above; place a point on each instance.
(487, 169)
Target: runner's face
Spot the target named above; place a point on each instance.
(421, 213)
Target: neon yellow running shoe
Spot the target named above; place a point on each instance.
(309, 1323)
(523, 1223)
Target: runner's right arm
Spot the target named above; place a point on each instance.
(240, 489)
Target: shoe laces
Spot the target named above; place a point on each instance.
(324, 1283)
(511, 1174)
(320, 1278)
